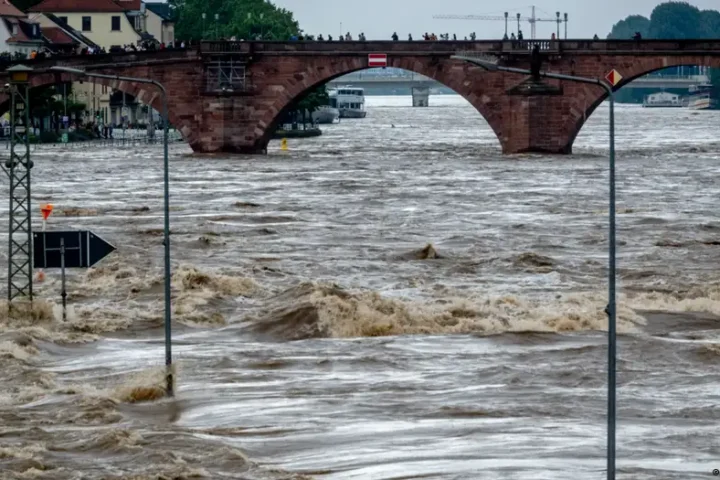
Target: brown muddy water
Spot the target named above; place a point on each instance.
(317, 337)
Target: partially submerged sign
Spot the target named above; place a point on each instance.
(82, 249)
(68, 249)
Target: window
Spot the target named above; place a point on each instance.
(86, 24)
(63, 19)
(116, 23)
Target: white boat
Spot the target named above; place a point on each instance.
(662, 100)
(702, 97)
(325, 114)
(350, 101)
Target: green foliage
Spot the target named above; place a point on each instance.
(675, 20)
(313, 99)
(671, 21)
(625, 29)
(242, 19)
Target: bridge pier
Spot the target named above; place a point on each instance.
(535, 124)
(421, 96)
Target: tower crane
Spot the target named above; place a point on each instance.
(532, 19)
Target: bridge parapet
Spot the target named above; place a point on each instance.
(425, 48)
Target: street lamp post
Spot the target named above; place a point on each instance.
(166, 181)
(611, 309)
(557, 14)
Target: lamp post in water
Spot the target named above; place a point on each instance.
(168, 326)
(490, 64)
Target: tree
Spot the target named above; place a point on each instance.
(670, 21)
(242, 19)
(676, 20)
(313, 99)
(625, 29)
(710, 24)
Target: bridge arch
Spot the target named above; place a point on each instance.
(475, 85)
(586, 99)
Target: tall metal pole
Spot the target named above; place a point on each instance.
(533, 22)
(95, 113)
(611, 309)
(566, 20)
(506, 24)
(166, 209)
(166, 181)
(17, 168)
(557, 14)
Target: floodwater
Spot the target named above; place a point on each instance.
(392, 300)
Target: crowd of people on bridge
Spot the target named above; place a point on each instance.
(428, 37)
(145, 46)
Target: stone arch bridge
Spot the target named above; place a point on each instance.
(229, 96)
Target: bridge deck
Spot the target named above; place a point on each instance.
(404, 48)
(519, 47)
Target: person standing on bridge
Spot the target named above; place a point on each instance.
(520, 35)
(410, 37)
(395, 37)
(348, 37)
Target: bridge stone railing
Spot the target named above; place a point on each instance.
(420, 47)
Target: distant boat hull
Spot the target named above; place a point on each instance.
(704, 102)
(325, 115)
(347, 113)
(662, 105)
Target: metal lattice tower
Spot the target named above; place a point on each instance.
(17, 168)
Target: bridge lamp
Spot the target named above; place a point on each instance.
(19, 74)
(166, 198)
(557, 14)
(611, 309)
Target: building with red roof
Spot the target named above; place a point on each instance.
(108, 23)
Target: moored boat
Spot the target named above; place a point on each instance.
(703, 97)
(325, 115)
(350, 101)
(662, 100)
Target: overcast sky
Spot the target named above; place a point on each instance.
(378, 19)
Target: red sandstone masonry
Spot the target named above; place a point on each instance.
(244, 124)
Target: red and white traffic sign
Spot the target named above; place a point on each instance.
(613, 77)
(377, 60)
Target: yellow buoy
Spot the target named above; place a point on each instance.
(283, 144)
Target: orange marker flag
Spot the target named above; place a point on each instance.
(46, 210)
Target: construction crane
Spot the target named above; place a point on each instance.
(531, 19)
